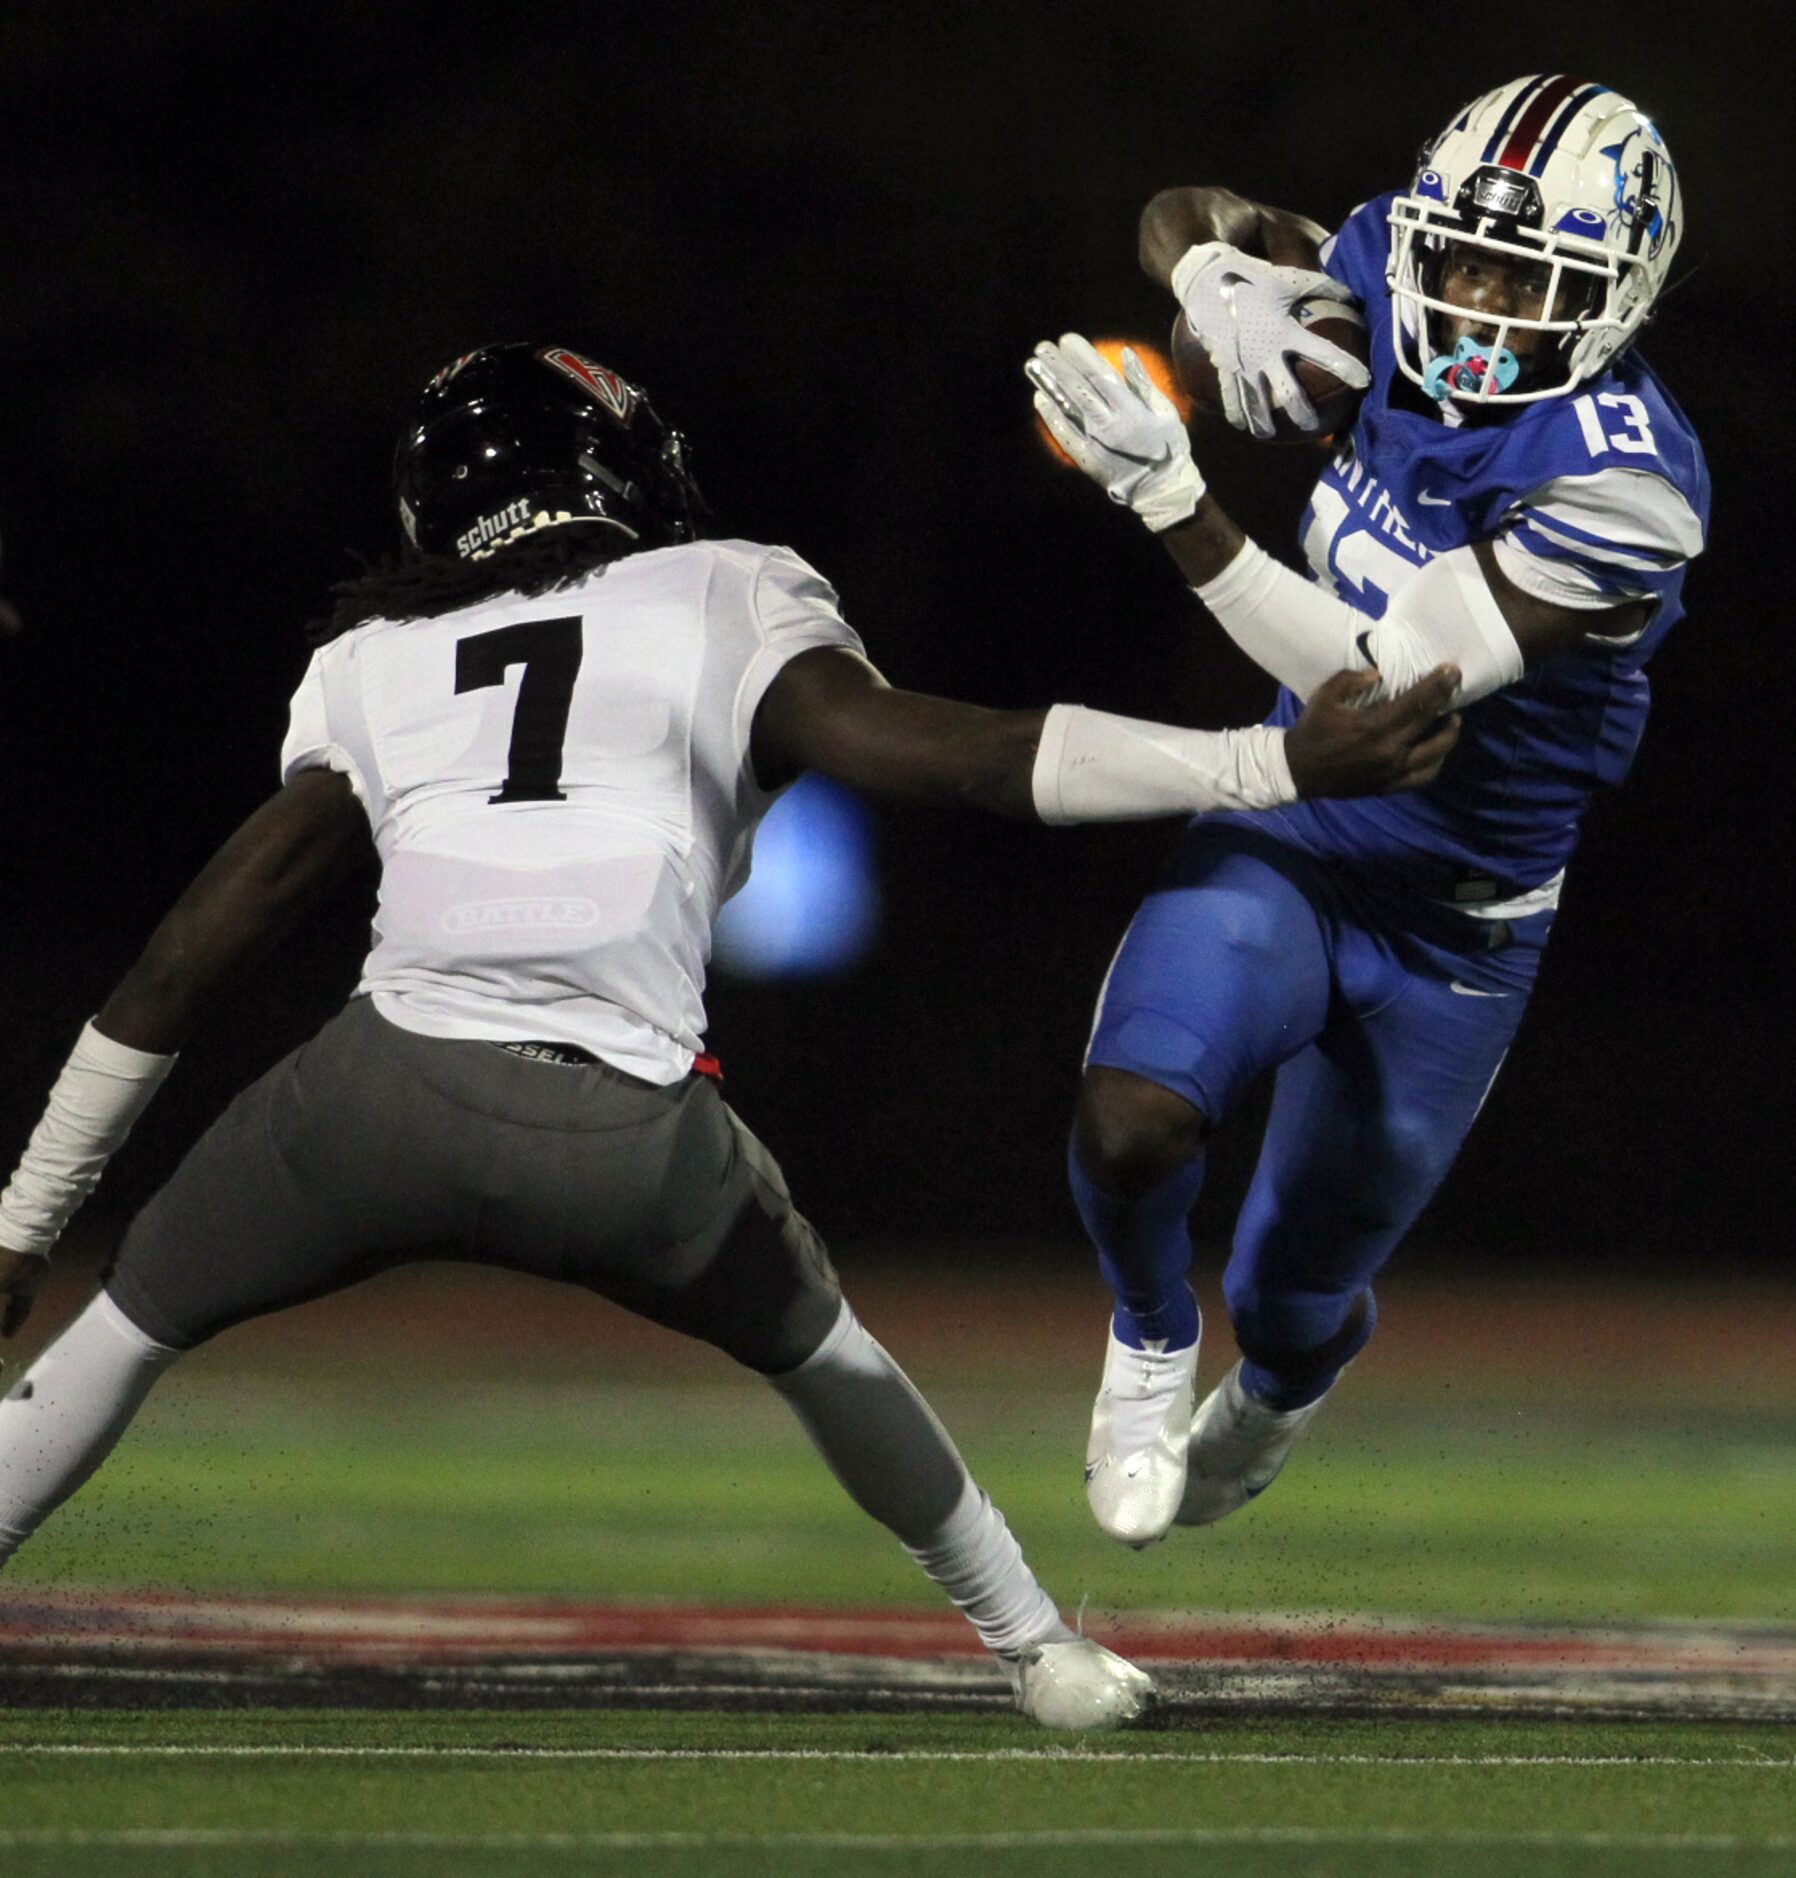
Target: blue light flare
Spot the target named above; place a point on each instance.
(811, 906)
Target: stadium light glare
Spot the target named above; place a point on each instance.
(812, 904)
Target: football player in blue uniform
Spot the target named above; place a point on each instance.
(1518, 495)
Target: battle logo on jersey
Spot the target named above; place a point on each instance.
(506, 916)
(604, 387)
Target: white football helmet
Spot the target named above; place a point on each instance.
(1550, 170)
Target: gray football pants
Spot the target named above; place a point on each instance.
(371, 1146)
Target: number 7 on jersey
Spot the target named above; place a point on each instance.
(549, 651)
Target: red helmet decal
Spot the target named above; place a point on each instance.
(448, 372)
(605, 387)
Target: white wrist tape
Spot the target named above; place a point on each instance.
(1171, 496)
(1301, 633)
(102, 1090)
(1092, 767)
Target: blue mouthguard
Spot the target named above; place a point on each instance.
(1465, 370)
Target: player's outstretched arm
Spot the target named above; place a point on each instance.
(281, 862)
(830, 710)
(1460, 609)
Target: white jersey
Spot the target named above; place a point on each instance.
(561, 794)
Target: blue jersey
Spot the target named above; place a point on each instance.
(1592, 499)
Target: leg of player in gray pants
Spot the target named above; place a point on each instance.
(371, 1146)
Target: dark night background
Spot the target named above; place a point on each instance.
(237, 238)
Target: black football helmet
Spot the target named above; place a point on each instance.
(514, 438)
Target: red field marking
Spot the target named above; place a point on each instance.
(344, 1632)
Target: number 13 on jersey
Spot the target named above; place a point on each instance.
(1634, 438)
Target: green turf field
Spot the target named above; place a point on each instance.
(233, 1480)
(394, 1452)
(683, 1794)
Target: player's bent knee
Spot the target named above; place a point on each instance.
(125, 1327)
(799, 1333)
(1131, 1135)
(770, 1298)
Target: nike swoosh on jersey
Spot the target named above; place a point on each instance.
(1472, 991)
(1433, 502)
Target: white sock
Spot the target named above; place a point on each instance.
(1143, 1386)
(60, 1420)
(975, 1559)
(882, 1441)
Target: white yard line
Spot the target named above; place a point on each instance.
(322, 1751)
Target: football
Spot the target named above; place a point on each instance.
(1342, 324)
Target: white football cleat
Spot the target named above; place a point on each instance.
(1078, 1684)
(1140, 1424)
(1237, 1447)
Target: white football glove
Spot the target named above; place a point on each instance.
(1119, 427)
(1240, 308)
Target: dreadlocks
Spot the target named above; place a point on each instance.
(414, 587)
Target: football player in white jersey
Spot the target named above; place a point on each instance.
(1519, 494)
(561, 717)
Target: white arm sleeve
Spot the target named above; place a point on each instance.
(1302, 634)
(1092, 767)
(102, 1090)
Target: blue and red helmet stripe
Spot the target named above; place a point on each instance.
(1509, 115)
(1550, 141)
(1534, 120)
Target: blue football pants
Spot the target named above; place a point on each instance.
(1386, 1023)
